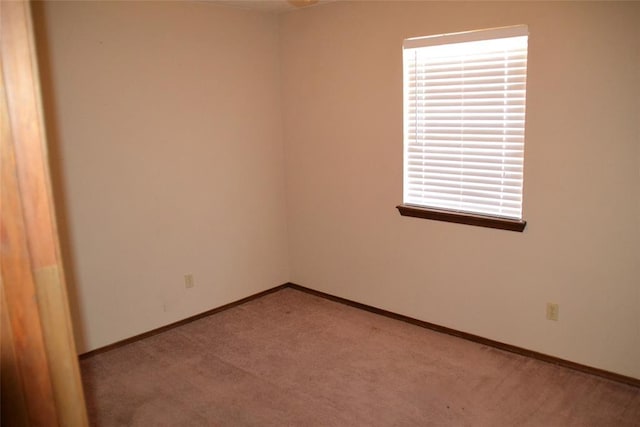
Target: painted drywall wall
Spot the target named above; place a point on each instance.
(167, 140)
(342, 110)
(159, 174)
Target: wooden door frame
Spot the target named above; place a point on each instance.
(41, 383)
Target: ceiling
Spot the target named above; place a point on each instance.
(272, 5)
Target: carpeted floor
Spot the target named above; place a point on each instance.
(293, 359)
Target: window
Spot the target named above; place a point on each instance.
(464, 118)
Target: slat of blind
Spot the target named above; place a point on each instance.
(447, 145)
(495, 208)
(440, 177)
(516, 62)
(517, 66)
(464, 78)
(484, 156)
(486, 198)
(459, 189)
(475, 172)
(510, 187)
(497, 180)
(451, 201)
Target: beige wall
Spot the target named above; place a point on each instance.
(342, 108)
(169, 136)
(169, 140)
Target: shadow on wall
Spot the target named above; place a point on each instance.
(56, 168)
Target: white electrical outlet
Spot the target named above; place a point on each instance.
(188, 281)
(553, 311)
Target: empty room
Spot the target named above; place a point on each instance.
(347, 213)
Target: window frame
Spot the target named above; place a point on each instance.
(443, 214)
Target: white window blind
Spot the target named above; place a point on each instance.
(464, 118)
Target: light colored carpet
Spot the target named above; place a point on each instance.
(293, 359)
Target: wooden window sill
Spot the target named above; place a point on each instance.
(462, 218)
